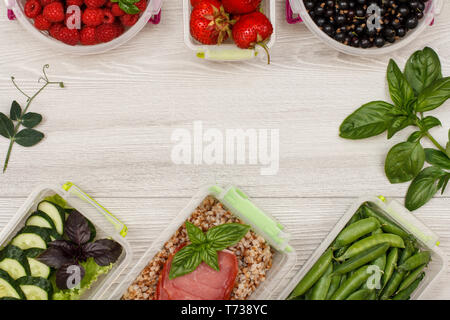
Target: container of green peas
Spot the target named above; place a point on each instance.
(377, 251)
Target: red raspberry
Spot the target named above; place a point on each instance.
(106, 32)
(88, 36)
(108, 17)
(74, 3)
(109, 4)
(41, 23)
(129, 20)
(54, 12)
(142, 5)
(54, 30)
(116, 11)
(32, 8)
(94, 3)
(92, 17)
(119, 29)
(69, 36)
(46, 2)
(70, 21)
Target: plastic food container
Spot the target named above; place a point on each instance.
(106, 224)
(262, 224)
(227, 51)
(152, 14)
(297, 12)
(426, 239)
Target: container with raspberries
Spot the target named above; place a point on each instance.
(229, 30)
(84, 26)
(366, 27)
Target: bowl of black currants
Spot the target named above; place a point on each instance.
(366, 27)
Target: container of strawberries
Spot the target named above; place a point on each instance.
(229, 30)
(84, 26)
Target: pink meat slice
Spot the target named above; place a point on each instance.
(204, 283)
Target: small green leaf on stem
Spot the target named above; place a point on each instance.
(422, 69)
(211, 258)
(31, 119)
(400, 90)
(129, 7)
(437, 158)
(404, 161)
(6, 126)
(226, 235)
(434, 95)
(185, 261)
(195, 234)
(28, 137)
(16, 111)
(415, 136)
(423, 187)
(398, 124)
(430, 122)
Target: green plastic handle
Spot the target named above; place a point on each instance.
(75, 190)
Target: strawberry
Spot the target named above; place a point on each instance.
(194, 3)
(88, 36)
(32, 8)
(209, 24)
(129, 20)
(116, 11)
(41, 23)
(240, 6)
(106, 32)
(94, 3)
(252, 29)
(68, 36)
(92, 17)
(54, 12)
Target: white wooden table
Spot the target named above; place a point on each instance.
(109, 130)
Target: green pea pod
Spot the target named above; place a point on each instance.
(351, 284)
(378, 231)
(355, 231)
(410, 249)
(320, 289)
(415, 261)
(392, 285)
(334, 285)
(373, 295)
(412, 276)
(362, 294)
(375, 282)
(344, 278)
(313, 274)
(339, 252)
(372, 210)
(308, 294)
(391, 265)
(406, 293)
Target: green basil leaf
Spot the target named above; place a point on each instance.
(447, 150)
(434, 95)
(437, 158)
(415, 136)
(226, 235)
(129, 8)
(6, 126)
(369, 120)
(16, 111)
(444, 181)
(130, 2)
(423, 188)
(404, 161)
(28, 137)
(422, 69)
(195, 234)
(211, 258)
(430, 122)
(31, 119)
(400, 90)
(185, 261)
(398, 124)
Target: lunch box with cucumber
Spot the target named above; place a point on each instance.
(377, 251)
(40, 247)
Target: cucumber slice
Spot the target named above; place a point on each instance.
(8, 298)
(55, 212)
(37, 268)
(9, 287)
(36, 288)
(40, 219)
(13, 261)
(31, 237)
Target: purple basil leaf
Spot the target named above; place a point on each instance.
(68, 247)
(77, 228)
(104, 251)
(69, 276)
(55, 257)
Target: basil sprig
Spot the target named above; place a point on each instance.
(419, 89)
(204, 247)
(10, 127)
(129, 6)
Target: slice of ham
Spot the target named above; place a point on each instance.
(204, 283)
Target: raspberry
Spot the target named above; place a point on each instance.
(92, 17)
(54, 30)
(142, 5)
(69, 36)
(70, 21)
(46, 2)
(88, 36)
(54, 12)
(109, 4)
(32, 8)
(119, 29)
(106, 32)
(94, 3)
(108, 17)
(116, 11)
(74, 3)
(41, 23)
(129, 20)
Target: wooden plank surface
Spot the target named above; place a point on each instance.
(110, 129)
